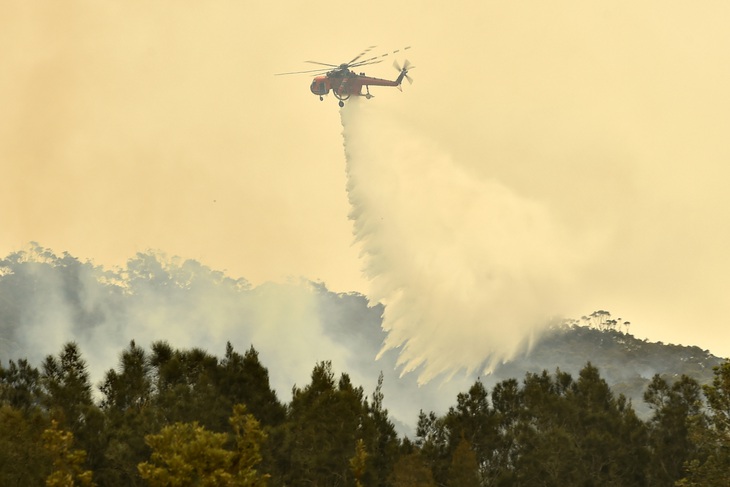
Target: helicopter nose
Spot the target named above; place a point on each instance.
(319, 87)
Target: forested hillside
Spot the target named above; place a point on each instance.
(108, 377)
(168, 416)
(47, 299)
(626, 363)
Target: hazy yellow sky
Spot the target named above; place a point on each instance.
(129, 125)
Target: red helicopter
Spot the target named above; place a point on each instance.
(344, 82)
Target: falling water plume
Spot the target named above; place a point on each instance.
(469, 272)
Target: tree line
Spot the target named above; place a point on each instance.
(171, 417)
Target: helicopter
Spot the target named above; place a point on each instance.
(344, 81)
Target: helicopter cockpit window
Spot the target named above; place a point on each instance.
(318, 87)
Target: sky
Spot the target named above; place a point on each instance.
(136, 125)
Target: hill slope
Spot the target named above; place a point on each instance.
(625, 362)
(47, 300)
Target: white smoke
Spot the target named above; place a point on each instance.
(47, 300)
(160, 298)
(469, 272)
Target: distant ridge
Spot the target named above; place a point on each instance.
(47, 299)
(624, 361)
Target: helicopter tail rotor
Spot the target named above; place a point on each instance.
(404, 70)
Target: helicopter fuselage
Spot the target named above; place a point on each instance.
(345, 83)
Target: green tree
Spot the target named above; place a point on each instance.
(358, 462)
(473, 421)
(67, 396)
(186, 384)
(711, 465)
(557, 431)
(243, 379)
(20, 385)
(324, 423)
(23, 460)
(381, 440)
(677, 411)
(411, 470)
(188, 454)
(127, 405)
(249, 437)
(608, 435)
(464, 469)
(546, 452)
(68, 470)
(67, 386)
(433, 441)
(130, 389)
(508, 405)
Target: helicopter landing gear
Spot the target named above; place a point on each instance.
(368, 95)
(342, 97)
(321, 98)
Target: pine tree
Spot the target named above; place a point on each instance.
(432, 439)
(508, 405)
(464, 470)
(711, 464)
(412, 471)
(677, 411)
(186, 383)
(67, 395)
(23, 460)
(20, 385)
(473, 421)
(67, 386)
(130, 415)
(381, 440)
(322, 429)
(243, 379)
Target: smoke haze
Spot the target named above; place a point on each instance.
(467, 270)
(47, 300)
(132, 125)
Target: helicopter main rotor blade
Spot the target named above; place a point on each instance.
(310, 71)
(361, 55)
(378, 57)
(366, 64)
(354, 63)
(322, 64)
(368, 61)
